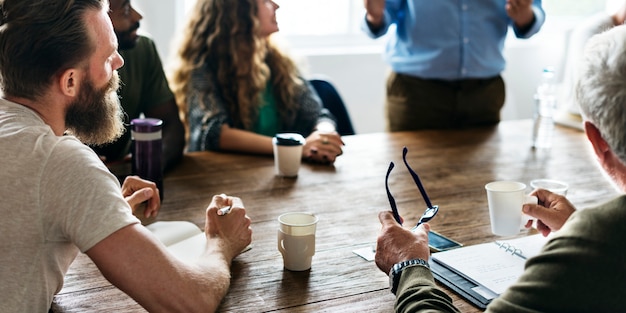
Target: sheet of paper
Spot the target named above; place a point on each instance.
(487, 264)
(367, 253)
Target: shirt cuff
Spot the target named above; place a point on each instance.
(365, 26)
(415, 276)
(538, 19)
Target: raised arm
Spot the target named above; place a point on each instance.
(527, 16)
(521, 12)
(375, 13)
(138, 264)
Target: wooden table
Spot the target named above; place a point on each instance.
(454, 167)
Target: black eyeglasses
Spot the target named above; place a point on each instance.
(431, 210)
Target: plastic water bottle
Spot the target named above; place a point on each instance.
(147, 150)
(545, 108)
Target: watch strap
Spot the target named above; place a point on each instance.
(396, 270)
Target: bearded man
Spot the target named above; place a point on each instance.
(144, 90)
(58, 81)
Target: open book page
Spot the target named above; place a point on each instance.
(487, 264)
(184, 239)
(170, 232)
(190, 248)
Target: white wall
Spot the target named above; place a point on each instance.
(159, 20)
(360, 78)
(360, 74)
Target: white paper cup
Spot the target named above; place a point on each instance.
(296, 240)
(552, 185)
(287, 153)
(505, 206)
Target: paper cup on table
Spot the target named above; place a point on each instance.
(296, 239)
(505, 206)
(552, 185)
(287, 153)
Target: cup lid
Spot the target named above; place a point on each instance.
(289, 139)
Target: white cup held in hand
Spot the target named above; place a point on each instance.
(506, 199)
(296, 239)
(287, 153)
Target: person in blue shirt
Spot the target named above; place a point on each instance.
(446, 58)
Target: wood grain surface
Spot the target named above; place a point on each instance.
(454, 167)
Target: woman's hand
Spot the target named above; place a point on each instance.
(322, 147)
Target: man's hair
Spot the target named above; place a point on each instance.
(601, 88)
(39, 40)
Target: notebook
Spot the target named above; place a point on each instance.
(482, 272)
(184, 239)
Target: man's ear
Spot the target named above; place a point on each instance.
(68, 82)
(600, 146)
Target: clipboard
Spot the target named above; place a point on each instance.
(458, 284)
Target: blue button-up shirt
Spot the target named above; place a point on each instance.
(449, 39)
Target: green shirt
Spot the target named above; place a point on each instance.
(268, 121)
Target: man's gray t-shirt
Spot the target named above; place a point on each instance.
(58, 198)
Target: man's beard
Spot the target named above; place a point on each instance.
(124, 39)
(96, 116)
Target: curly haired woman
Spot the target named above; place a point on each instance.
(236, 89)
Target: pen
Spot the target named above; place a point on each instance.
(225, 210)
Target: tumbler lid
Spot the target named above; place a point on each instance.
(144, 125)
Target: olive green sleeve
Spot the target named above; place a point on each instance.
(417, 292)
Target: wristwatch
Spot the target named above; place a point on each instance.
(396, 270)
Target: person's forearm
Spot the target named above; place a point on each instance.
(213, 276)
(160, 282)
(417, 291)
(232, 139)
(526, 20)
(375, 12)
